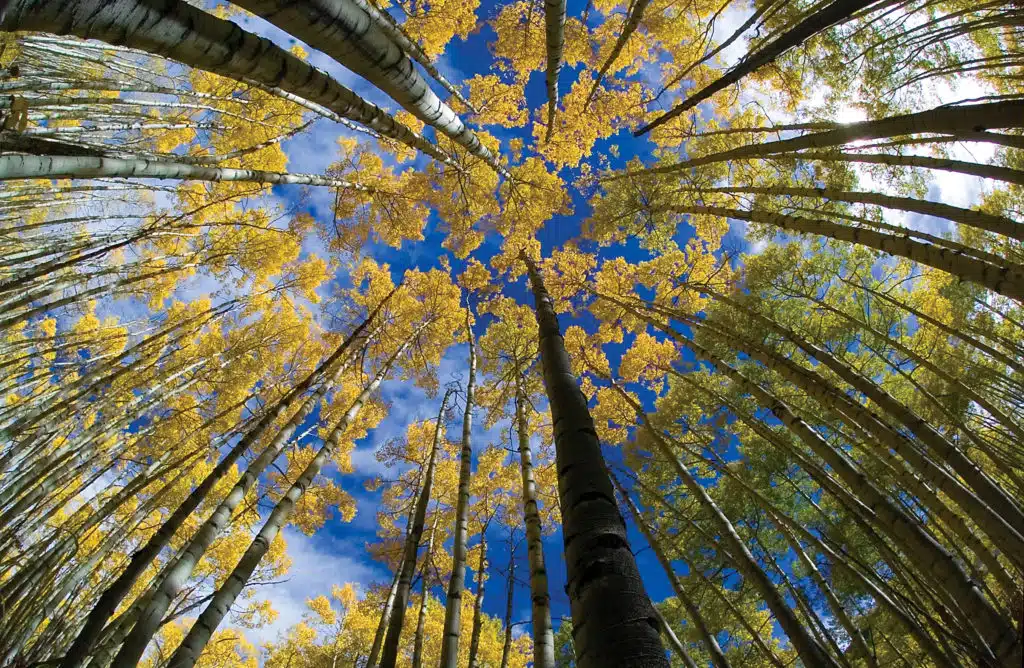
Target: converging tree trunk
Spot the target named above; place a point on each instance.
(612, 617)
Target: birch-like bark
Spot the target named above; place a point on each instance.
(540, 598)
(510, 593)
(389, 652)
(956, 120)
(636, 14)
(979, 219)
(673, 640)
(349, 35)
(612, 616)
(187, 34)
(93, 167)
(554, 35)
(385, 616)
(421, 621)
(457, 581)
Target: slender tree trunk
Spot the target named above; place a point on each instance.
(632, 22)
(478, 604)
(612, 616)
(88, 167)
(1007, 281)
(349, 35)
(510, 593)
(838, 11)
(955, 120)
(457, 581)
(389, 653)
(554, 35)
(421, 621)
(385, 617)
(673, 640)
(543, 632)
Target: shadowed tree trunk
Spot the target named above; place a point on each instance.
(613, 619)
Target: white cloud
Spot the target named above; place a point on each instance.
(317, 563)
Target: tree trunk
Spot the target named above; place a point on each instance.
(636, 13)
(838, 11)
(673, 640)
(540, 598)
(421, 621)
(389, 653)
(457, 581)
(86, 167)
(955, 120)
(478, 604)
(510, 594)
(345, 32)
(554, 33)
(612, 616)
(385, 617)
(1007, 281)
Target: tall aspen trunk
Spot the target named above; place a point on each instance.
(115, 593)
(554, 39)
(478, 604)
(92, 167)
(457, 581)
(1004, 280)
(389, 653)
(343, 30)
(673, 641)
(540, 598)
(421, 621)
(510, 593)
(613, 619)
(820, 20)
(385, 617)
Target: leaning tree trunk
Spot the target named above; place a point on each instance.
(90, 167)
(115, 593)
(838, 11)
(1007, 281)
(199, 635)
(348, 34)
(457, 581)
(612, 616)
(421, 621)
(385, 617)
(540, 597)
(389, 653)
(632, 22)
(189, 35)
(958, 120)
(673, 640)
(510, 593)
